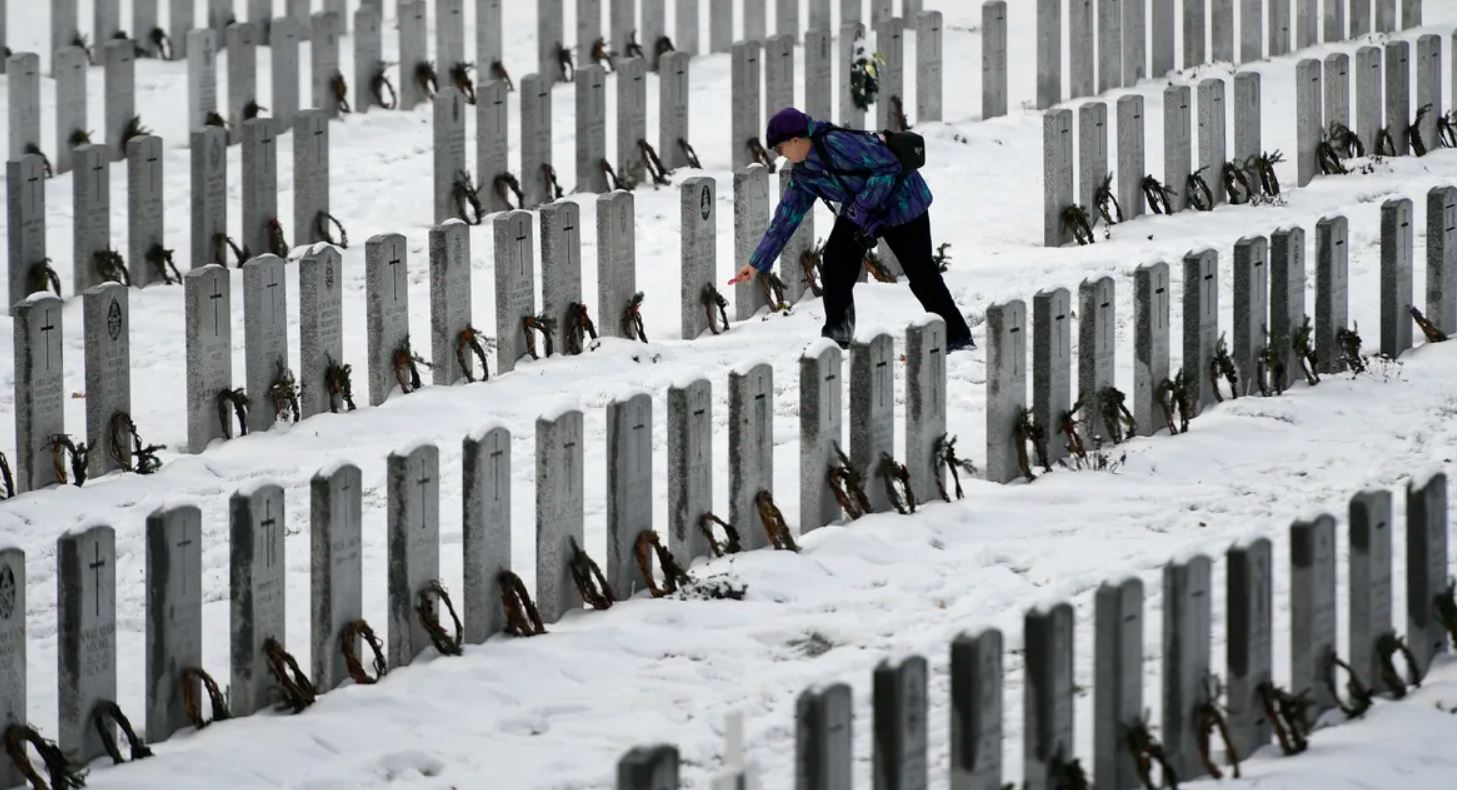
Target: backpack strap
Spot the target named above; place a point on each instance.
(818, 141)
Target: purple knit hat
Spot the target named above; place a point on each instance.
(786, 124)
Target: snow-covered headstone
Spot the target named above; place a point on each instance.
(744, 123)
(69, 68)
(91, 208)
(1287, 296)
(311, 222)
(1370, 582)
(925, 405)
(1221, 31)
(751, 449)
(1331, 264)
(489, 36)
(260, 184)
(872, 412)
(450, 303)
(1398, 94)
(1313, 609)
(448, 134)
(209, 195)
(535, 140)
(720, 25)
(283, 40)
(414, 52)
(173, 616)
(558, 512)
(25, 215)
(265, 333)
(976, 711)
(1057, 175)
(1187, 593)
(900, 705)
(85, 637)
(1385, 16)
(1150, 343)
(1052, 365)
(106, 326)
(591, 127)
(387, 310)
(616, 262)
(1006, 386)
(1247, 124)
(256, 533)
(1368, 93)
(1250, 638)
(751, 221)
(994, 59)
(629, 489)
(144, 207)
(202, 78)
(561, 265)
(1201, 323)
(853, 49)
(492, 143)
(1130, 169)
(890, 39)
(485, 528)
(649, 768)
(698, 231)
(1097, 347)
(1161, 37)
(207, 296)
(1442, 258)
(1309, 126)
(1337, 87)
(324, 66)
(632, 119)
(1251, 309)
(1429, 87)
(1279, 27)
(690, 467)
(515, 286)
(1213, 150)
(1047, 713)
(1117, 680)
(791, 259)
(824, 743)
(413, 483)
(778, 74)
(368, 58)
(673, 108)
(1092, 152)
(1396, 287)
(242, 46)
(321, 333)
(1177, 141)
(1426, 567)
(450, 37)
(821, 433)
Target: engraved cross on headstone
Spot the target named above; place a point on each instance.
(1016, 358)
(154, 170)
(878, 367)
(267, 142)
(396, 271)
(46, 328)
(762, 406)
(496, 464)
(1107, 308)
(273, 298)
(319, 141)
(936, 368)
(97, 169)
(1209, 293)
(521, 238)
(1160, 303)
(270, 537)
(214, 297)
(424, 482)
(1057, 332)
(182, 546)
(569, 229)
(96, 569)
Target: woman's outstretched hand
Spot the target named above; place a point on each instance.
(744, 275)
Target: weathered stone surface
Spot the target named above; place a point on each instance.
(1187, 595)
(673, 82)
(751, 220)
(207, 294)
(413, 530)
(1308, 124)
(486, 528)
(25, 221)
(492, 133)
(1097, 345)
(91, 213)
(1313, 608)
(1442, 258)
(260, 185)
(120, 93)
(1047, 698)
(1213, 150)
(744, 122)
(265, 337)
(1371, 528)
(1287, 296)
(39, 388)
(1006, 386)
(368, 57)
(698, 231)
(976, 711)
(1398, 94)
(558, 512)
(899, 758)
(632, 119)
(283, 41)
(106, 327)
(1057, 175)
(85, 636)
(515, 286)
(824, 741)
(1331, 277)
(1049, 53)
(535, 94)
(69, 69)
(751, 450)
(387, 310)
(414, 51)
(872, 412)
(209, 195)
(144, 209)
(335, 569)
(591, 128)
(1117, 680)
(994, 59)
(256, 532)
(242, 45)
(1251, 309)
(1092, 151)
(1368, 94)
(1177, 139)
(690, 468)
(1426, 567)
(450, 302)
(629, 489)
(1396, 287)
(311, 223)
(321, 332)
(1150, 343)
(1201, 322)
(1249, 644)
(324, 65)
(1052, 366)
(174, 616)
(1130, 168)
(820, 433)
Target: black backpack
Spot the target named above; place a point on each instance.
(908, 148)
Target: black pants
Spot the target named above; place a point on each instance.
(911, 243)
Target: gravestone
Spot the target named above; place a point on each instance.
(890, 39)
(414, 52)
(69, 68)
(1221, 31)
(209, 196)
(1396, 288)
(751, 220)
(515, 286)
(928, 67)
(1201, 322)
(173, 616)
(86, 638)
(1052, 366)
(720, 25)
(1370, 582)
(25, 221)
(824, 737)
(1092, 151)
(698, 231)
(321, 332)
(64, 30)
(1309, 127)
(1006, 387)
(144, 207)
(550, 39)
(1411, 14)
(220, 15)
(1049, 52)
(207, 294)
(119, 89)
(311, 223)
(486, 528)
(994, 60)
(450, 36)
(786, 18)
(1057, 175)
(558, 512)
(1368, 96)
(1307, 25)
(820, 433)
(259, 12)
(256, 563)
(1360, 19)
(778, 55)
(1177, 139)
(629, 489)
(1251, 309)
(1385, 16)
(1426, 567)
(1097, 347)
(1110, 45)
(91, 208)
(283, 38)
(819, 16)
(368, 57)
(1249, 583)
(1194, 34)
(1442, 258)
(852, 36)
(298, 10)
(1398, 95)
(1047, 697)
(1213, 151)
(1313, 608)
(1333, 18)
(561, 264)
(589, 27)
(690, 467)
(12, 649)
(1331, 265)
(1247, 122)
(387, 310)
(632, 119)
(925, 405)
(242, 45)
(265, 333)
(450, 301)
(591, 128)
(751, 449)
(1279, 27)
(535, 140)
(1117, 680)
(106, 316)
(1287, 296)
(260, 184)
(976, 711)
(744, 125)
(324, 66)
(1187, 593)
(1130, 156)
(413, 483)
(335, 576)
(653, 31)
(852, 10)
(755, 20)
(489, 35)
(1161, 37)
(449, 152)
(1337, 87)
(648, 768)
(791, 266)
(899, 695)
(492, 133)
(872, 413)
(1429, 87)
(616, 261)
(673, 79)
(180, 24)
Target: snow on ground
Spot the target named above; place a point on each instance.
(556, 712)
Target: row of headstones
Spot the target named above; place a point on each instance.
(1323, 104)
(1269, 308)
(1127, 52)
(87, 559)
(824, 746)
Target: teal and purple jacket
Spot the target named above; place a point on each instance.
(869, 202)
